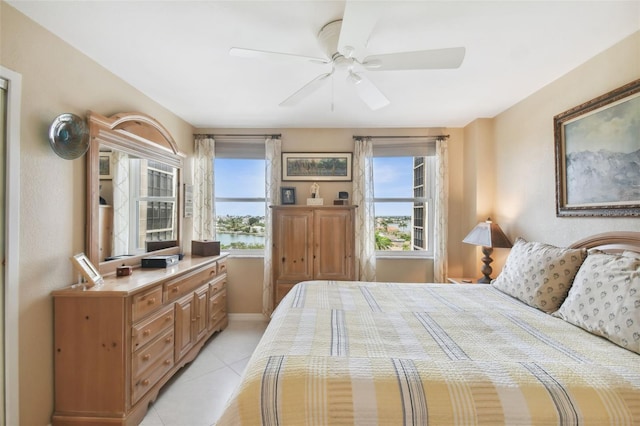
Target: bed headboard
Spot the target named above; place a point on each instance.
(611, 242)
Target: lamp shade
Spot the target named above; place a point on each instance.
(487, 234)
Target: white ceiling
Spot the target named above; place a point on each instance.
(176, 52)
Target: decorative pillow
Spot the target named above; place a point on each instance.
(605, 299)
(539, 274)
(632, 254)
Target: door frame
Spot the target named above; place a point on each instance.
(12, 247)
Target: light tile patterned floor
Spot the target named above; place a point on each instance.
(197, 394)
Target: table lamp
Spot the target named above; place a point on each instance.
(488, 235)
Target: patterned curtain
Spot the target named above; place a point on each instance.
(440, 265)
(365, 214)
(204, 215)
(120, 164)
(272, 195)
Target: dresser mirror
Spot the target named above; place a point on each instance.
(133, 190)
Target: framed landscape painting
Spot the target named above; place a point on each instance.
(316, 166)
(597, 149)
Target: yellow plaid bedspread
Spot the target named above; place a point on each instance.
(429, 354)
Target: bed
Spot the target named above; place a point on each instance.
(442, 354)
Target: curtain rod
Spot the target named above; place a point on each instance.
(404, 137)
(225, 135)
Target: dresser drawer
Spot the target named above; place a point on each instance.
(217, 307)
(145, 303)
(187, 283)
(149, 355)
(150, 376)
(146, 331)
(222, 266)
(218, 284)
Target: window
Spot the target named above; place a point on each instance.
(239, 169)
(154, 210)
(403, 186)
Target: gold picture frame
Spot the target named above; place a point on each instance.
(597, 148)
(83, 265)
(317, 166)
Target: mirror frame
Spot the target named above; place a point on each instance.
(136, 134)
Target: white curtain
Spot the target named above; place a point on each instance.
(365, 214)
(440, 265)
(272, 194)
(120, 164)
(204, 226)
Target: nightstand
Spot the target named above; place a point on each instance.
(457, 280)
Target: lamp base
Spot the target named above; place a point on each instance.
(486, 268)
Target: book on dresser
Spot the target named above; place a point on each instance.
(117, 344)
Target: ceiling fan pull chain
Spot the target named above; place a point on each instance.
(332, 91)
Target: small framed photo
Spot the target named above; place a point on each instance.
(104, 165)
(83, 265)
(287, 195)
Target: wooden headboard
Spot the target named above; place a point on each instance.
(611, 242)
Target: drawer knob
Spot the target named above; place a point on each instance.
(146, 332)
(145, 382)
(146, 357)
(151, 301)
(167, 318)
(175, 289)
(168, 340)
(167, 361)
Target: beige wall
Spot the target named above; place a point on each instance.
(55, 79)
(514, 150)
(524, 150)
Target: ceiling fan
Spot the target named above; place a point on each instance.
(344, 43)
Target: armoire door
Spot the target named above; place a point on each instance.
(333, 244)
(292, 239)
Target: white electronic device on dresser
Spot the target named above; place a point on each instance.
(116, 344)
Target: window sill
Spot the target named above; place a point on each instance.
(403, 256)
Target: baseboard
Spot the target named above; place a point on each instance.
(247, 317)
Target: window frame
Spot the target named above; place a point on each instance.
(245, 149)
(420, 147)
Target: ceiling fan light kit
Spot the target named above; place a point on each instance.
(344, 60)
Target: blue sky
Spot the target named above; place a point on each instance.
(393, 177)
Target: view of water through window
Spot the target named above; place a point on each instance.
(240, 223)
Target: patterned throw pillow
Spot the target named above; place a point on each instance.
(605, 299)
(539, 274)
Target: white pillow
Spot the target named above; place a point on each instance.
(605, 299)
(539, 274)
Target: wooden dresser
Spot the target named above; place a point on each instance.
(312, 243)
(116, 345)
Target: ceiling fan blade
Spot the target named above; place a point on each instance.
(263, 54)
(358, 21)
(306, 90)
(369, 93)
(418, 60)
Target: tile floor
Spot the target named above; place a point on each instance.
(197, 394)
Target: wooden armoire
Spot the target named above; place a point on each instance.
(312, 243)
